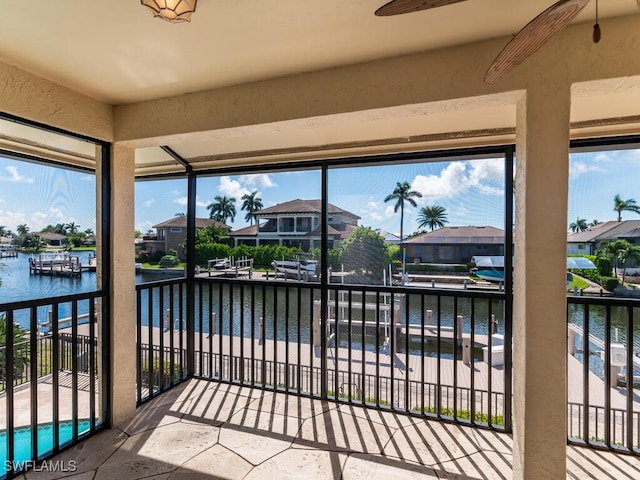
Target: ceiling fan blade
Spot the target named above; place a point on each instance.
(533, 36)
(398, 7)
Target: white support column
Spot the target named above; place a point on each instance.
(539, 319)
(122, 288)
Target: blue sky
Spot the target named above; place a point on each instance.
(472, 192)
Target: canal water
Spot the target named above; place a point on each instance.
(19, 285)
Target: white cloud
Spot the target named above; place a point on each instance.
(149, 202)
(185, 200)
(451, 182)
(232, 188)
(261, 180)
(577, 169)
(12, 219)
(53, 216)
(484, 176)
(376, 212)
(14, 176)
(144, 226)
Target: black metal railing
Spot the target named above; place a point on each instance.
(431, 352)
(603, 343)
(50, 367)
(161, 357)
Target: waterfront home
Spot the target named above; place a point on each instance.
(52, 239)
(454, 245)
(255, 87)
(296, 223)
(588, 242)
(172, 234)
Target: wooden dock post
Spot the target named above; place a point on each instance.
(316, 325)
(261, 328)
(494, 324)
(459, 329)
(466, 350)
(167, 319)
(213, 323)
(429, 317)
(571, 342)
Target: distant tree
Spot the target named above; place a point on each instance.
(20, 355)
(432, 217)
(222, 208)
(620, 252)
(211, 234)
(580, 225)
(71, 228)
(33, 243)
(594, 223)
(137, 233)
(22, 229)
(251, 204)
(417, 233)
(402, 194)
(366, 254)
(89, 232)
(180, 214)
(629, 205)
(3, 231)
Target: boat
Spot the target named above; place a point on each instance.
(302, 267)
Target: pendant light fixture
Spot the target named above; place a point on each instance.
(174, 11)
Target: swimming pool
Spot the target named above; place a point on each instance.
(22, 439)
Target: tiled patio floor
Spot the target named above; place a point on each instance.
(205, 430)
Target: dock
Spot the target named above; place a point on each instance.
(58, 265)
(230, 267)
(7, 251)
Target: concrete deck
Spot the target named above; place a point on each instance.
(206, 430)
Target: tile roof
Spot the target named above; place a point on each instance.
(181, 221)
(611, 230)
(460, 235)
(301, 206)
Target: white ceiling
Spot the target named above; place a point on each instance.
(116, 52)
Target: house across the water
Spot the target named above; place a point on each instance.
(454, 245)
(172, 234)
(297, 224)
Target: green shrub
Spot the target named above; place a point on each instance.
(209, 251)
(609, 283)
(464, 415)
(169, 261)
(155, 377)
(604, 265)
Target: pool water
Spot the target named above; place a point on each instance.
(22, 440)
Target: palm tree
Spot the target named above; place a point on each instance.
(619, 251)
(22, 229)
(72, 228)
(401, 194)
(629, 205)
(580, 225)
(594, 223)
(432, 217)
(222, 209)
(251, 204)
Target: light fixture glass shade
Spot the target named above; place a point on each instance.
(174, 11)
